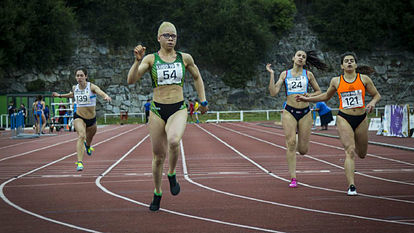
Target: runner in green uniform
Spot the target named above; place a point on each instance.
(168, 114)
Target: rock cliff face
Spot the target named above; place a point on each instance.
(108, 69)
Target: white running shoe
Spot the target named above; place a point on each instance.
(352, 190)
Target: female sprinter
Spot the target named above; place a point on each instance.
(352, 120)
(38, 110)
(168, 114)
(296, 116)
(84, 118)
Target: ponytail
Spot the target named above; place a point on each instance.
(313, 60)
(367, 70)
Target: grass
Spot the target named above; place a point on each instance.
(248, 116)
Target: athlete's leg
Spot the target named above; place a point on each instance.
(361, 139)
(43, 123)
(37, 123)
(346, 135)
(90, 132)
(304, 132)
(80, 128)
(175, 129)
(156, 127)
(289, 124)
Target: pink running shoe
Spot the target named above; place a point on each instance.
(293, 183)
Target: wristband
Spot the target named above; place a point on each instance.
(204, 103)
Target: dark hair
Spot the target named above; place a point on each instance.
(313, 60)
(39, 98)
(348, 53)
(364, 69)
(83, 69)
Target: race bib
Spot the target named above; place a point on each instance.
(352, 99)
(171, 73)
(82, 97)
(297, 84)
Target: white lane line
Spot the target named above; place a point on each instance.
(187, 177)
(326, 145)
(392, 170)
(32, 141)
(319, 160)
(59, 176)
(281, 178)
(98, 183)
(46, 147)
(313, 171)
(5, 199)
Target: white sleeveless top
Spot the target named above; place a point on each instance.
(84, 98)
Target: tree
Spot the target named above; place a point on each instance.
(363, 24)
(35, 34)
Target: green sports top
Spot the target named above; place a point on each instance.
(164, 73)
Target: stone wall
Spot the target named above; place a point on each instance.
(108, 69)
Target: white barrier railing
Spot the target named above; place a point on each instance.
(7, 120)
(241, 112)
(128, 113)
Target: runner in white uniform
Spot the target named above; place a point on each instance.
(84, 117)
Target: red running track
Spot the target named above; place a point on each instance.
(233, 177)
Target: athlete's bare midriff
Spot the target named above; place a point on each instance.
(291, 101)
(168, 94)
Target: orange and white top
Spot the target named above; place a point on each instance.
(351, 95)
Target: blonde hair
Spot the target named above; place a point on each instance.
(164, 25)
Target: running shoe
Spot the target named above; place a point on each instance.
(155, 204)
(352, 190)
(88, 149)
(174, 185)
(293, 183)
(79, 166)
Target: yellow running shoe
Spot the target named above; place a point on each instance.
(89, 149)
(80, 166)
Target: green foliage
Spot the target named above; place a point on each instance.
(230, 35)
(109, 22)
(35, 34)
(363, 24)
(237, 35)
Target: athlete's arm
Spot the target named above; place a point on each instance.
(372, 90)
(198, 81)
(140, 66)
(67, 95)
(333, 86)
(274, 88)
(98, 91)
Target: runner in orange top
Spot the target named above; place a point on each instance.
(352, 122)
(351, 95)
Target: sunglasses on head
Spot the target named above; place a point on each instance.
(168, 35)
